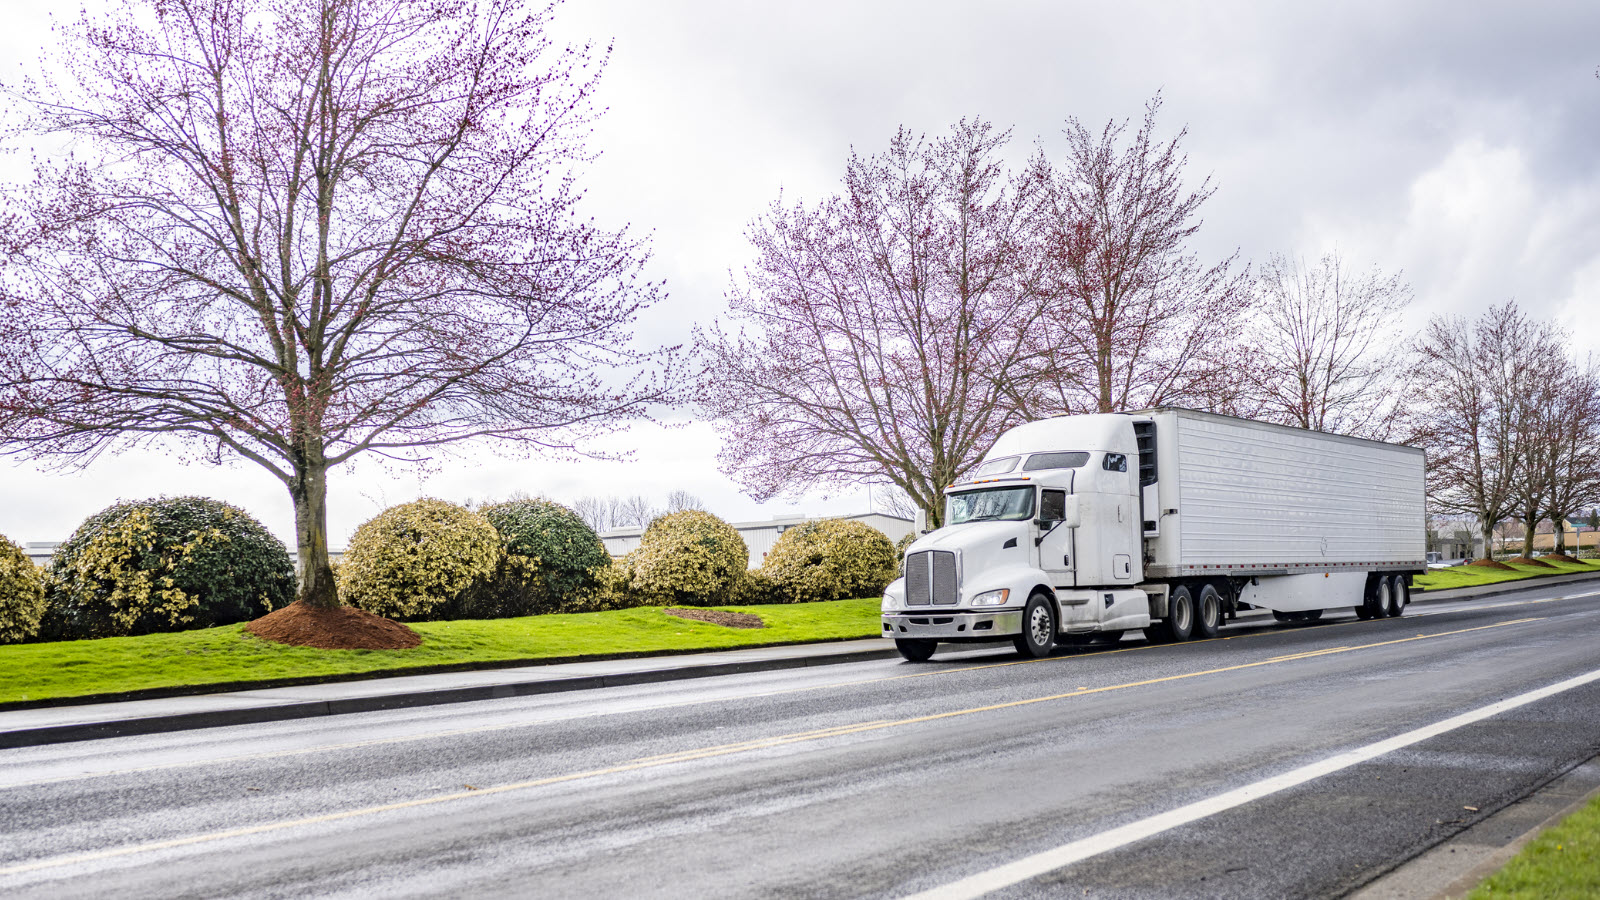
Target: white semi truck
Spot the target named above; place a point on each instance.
(1078, 528)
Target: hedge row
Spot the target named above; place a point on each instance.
(190, 562)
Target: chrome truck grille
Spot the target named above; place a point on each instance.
(931, 578)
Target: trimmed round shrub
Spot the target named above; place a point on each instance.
(21, 594)
(833, 559)
(550, 562)
(756, 588)
(689, 557)
(168, 564)
(411, 560)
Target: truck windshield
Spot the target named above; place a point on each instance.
(995, 503)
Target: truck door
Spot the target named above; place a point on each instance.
(1055, 539)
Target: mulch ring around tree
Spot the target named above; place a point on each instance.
(1560, 557)
(1491, 564)
(1528, 561)
(338, 628)
(718, 617)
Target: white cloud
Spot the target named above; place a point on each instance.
(1458, 147)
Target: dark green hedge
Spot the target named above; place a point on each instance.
(551, 562)
(168, 564)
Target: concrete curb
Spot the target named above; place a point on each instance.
(804, 656)
(87, 731)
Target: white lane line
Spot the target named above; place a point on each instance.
(1106, 841)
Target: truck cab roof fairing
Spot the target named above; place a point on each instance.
(1106, 432)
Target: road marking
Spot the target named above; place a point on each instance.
(694, 754)
(483, 729)
(1076, 851)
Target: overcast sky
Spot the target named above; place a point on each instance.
(1454, 141)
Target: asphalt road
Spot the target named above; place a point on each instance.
(1277, 761)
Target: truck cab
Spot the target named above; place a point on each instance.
(1051, 520)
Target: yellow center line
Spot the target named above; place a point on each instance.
(696, 754)
(680, 704)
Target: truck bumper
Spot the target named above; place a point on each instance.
(953, 626)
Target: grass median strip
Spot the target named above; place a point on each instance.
(228, 655)
(1562, 862)
(1476, 576)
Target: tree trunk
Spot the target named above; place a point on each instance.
(310, 493)
(1560, 523)
(1488, 540)
(1528, 525)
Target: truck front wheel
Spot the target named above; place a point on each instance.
(1038, 635)
(915, 651)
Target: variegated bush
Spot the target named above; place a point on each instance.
(834, 559)
(165, 565)
(689, 557)
(413, 559)
(21, 594)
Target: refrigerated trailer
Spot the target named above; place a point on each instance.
(1078, 528)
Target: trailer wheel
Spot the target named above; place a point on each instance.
(1399, 596)
(1381, 595)
(1038, 635)
(915, 651)
(1208, 613)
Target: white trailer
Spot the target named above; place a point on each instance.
(1079, 528)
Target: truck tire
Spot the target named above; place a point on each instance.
(1179, 623)
(1399, 596)
(1208, 613)
(1380, 597)
(915, 651)
(1038, 635)
(1369, 608)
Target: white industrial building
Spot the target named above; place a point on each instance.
(760, 536)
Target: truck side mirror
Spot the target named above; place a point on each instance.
(1070, 515)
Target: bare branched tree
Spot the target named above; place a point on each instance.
(303, 231)
(594, 511)
(1541, 424)
(893, 501)
(1574, 452)
(1324, 350)
(680, 500)
(1135, 319)
(634, 512)
(1471, 380)
(883, 326)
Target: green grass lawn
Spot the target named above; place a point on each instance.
(1561, 864)
(229, 655)
(1473, 576)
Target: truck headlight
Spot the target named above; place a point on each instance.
(887, 605)
(991, 598)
